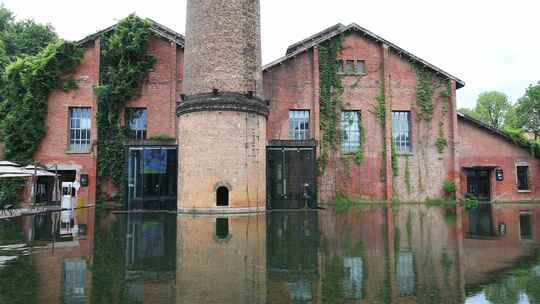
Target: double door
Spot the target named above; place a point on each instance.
(291, 178)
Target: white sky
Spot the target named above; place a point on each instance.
(490, 44)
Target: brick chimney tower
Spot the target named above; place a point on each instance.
(222, 116)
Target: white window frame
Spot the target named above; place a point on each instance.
(80, 125)
(401, 121)
(351, 137)
(299, 124)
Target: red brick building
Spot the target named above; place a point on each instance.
(447, 146)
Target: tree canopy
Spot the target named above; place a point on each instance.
(527, 111)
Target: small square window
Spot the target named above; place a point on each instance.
(523, 178)
(360, 67)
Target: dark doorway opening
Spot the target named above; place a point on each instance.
(291, 177)
(222, 197)
(479, 184)
(222, 228)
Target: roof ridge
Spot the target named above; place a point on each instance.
(156, 27)
(329, 33)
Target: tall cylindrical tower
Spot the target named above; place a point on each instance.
(222, 116)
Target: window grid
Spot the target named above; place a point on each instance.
(350, 131)
(401, 131)
(79, 129)
(351, 67)
(137, 120)
(523, 177)
(299, 124)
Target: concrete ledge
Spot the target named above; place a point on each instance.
(221, 210)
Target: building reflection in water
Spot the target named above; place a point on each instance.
(382, 254)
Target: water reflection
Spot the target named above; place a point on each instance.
(382, 254)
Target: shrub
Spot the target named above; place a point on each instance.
(469, 201)
(449, 188)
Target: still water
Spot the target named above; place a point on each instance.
(373, 254)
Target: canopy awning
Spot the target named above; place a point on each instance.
(10, 169)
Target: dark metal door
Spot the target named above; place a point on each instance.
(291, 178)
(478, 183)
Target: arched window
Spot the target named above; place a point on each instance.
(222, 197)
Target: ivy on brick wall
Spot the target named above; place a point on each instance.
(125, 65)
(26, 87)
(330, 97)
(424, 93)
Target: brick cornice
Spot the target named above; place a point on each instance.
(222, 101)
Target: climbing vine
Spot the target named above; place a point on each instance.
(331, 91)
(27, 85)
(125, 64)
(424, 93)
(407, 175)
(441, 141)
(359, 155)
(380, 113)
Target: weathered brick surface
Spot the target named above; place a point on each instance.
(212, 270)
(53, 149)
(479, 147)
(221, 149)
(223, 46)
(292, 86)
(158, 94)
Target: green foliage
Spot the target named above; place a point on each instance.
(492, 108)
(527, 111)
(518, 136)
(19, 38)
(125, 64)
(27, 84)
(407, 175)
(9, 188)
(441, 143)
(449, 188)
(19, 281)
(331, 90)
(395, 160)
(469, 201)
(424, 93)
(160, 136)
(359, 155)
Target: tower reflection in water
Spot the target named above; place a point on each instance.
(375, 254)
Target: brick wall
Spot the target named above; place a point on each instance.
(480, 147)
(54, 147)
(294, 84)
(158, 94)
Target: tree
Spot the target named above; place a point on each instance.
(468, 112)
(492, 108)
(528, 111)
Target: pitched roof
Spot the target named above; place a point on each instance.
(492, 130)
(156, 28)
(333, 31)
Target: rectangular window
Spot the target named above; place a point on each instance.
(523, 178)
(349, 66)
(299, 124)
(137, 122)
(525, 224)
(360, 67)
(79, 129)
(401, 131)
(350, 131)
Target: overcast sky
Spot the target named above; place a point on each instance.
(489, 44)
